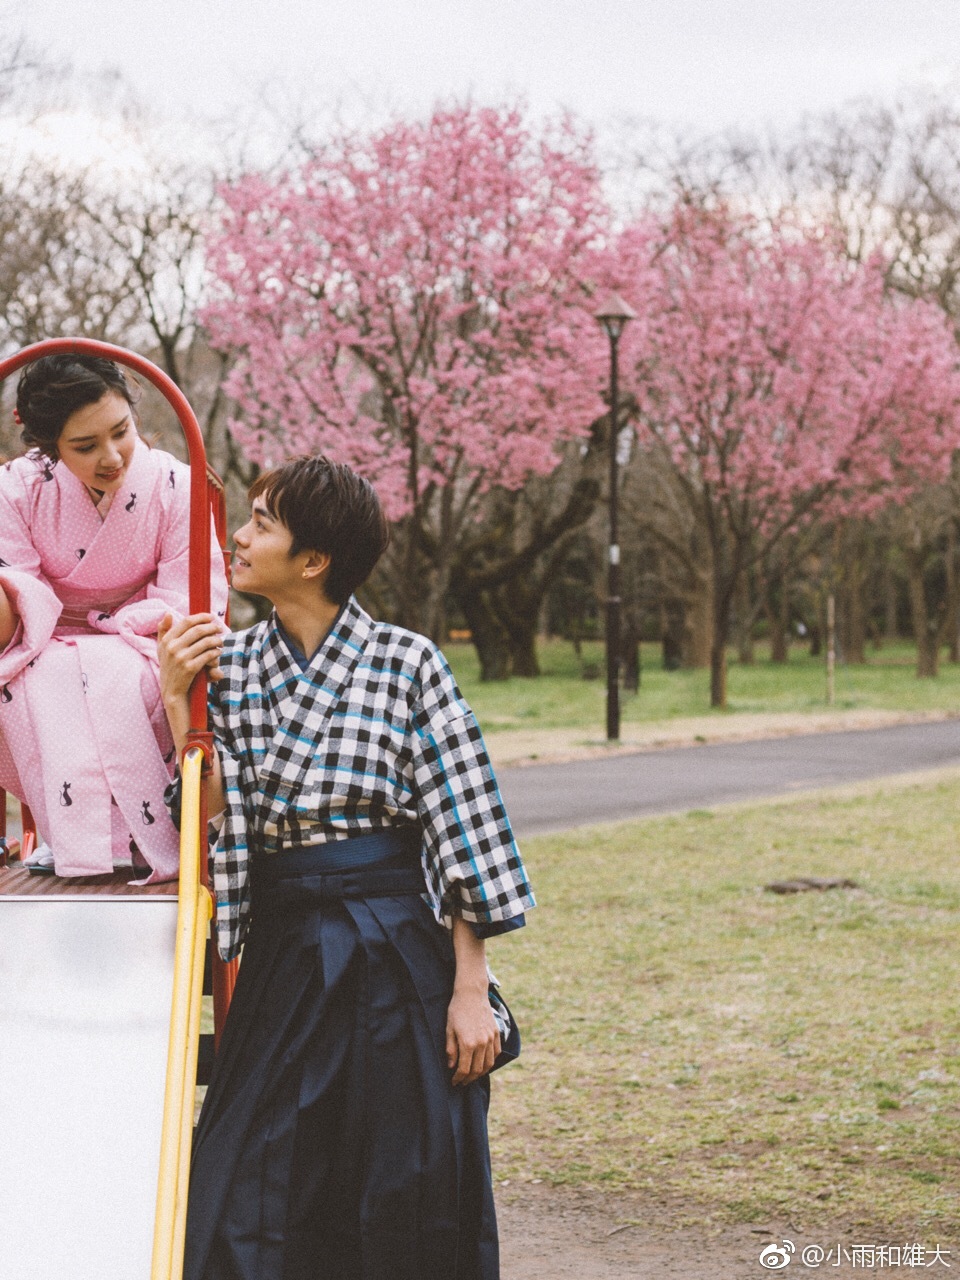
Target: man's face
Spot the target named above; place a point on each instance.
(262, 564)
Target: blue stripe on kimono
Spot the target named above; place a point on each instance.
(371, 732)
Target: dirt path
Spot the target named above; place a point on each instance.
(554, 1234)
(559, 745)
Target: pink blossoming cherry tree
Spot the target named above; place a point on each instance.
(782, 382)
(415, 302)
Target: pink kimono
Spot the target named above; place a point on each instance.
(83, 735)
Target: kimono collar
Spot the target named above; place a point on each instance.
(343, 643)
(290, 697)
(351, 631)
(103, 503)
(296, 652)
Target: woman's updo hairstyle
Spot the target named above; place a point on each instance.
(54, 387)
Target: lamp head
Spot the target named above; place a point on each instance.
(613, 315)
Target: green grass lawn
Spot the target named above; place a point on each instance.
(560, 697)
(751, 1054)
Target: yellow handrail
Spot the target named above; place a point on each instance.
(193, 916)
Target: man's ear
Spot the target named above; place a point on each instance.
(316, 565)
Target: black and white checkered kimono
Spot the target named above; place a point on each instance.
(332, 1142)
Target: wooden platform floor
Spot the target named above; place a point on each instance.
(17, 882)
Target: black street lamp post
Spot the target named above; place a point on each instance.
(613, 315)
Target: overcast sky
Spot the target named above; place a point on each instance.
(704, 63)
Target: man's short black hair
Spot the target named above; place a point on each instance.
(329, 508)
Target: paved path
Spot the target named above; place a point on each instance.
(551, 797)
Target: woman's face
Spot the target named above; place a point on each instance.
(97, 442)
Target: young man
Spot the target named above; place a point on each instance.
(364, 855)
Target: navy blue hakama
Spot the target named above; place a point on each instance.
(331, 1144)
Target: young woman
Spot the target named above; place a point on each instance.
(93, 553)
(364, 855)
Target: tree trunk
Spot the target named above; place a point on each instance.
(855, 615)
(718, 650)
(928, 657)
(698, 626)
(517, 604)
(951, 620)
(924, 633)
(779, 640)
(523, 651)
(725, 568)
(630, 654)
(744, 625)
(489, 637)
(671, 634)
(504, 623)
(409, 596)
(776, 606)
(421, 582)
(718, 673)
(889, 600)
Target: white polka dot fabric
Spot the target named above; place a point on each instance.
(83, 736)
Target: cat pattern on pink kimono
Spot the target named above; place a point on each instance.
(83, 735)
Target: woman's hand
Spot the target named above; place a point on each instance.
(184, 648)
(473, 1040)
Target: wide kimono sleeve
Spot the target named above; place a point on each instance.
(473, 866)
(169, 590)
(32, 597)
(229, 849)
(229, 855)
